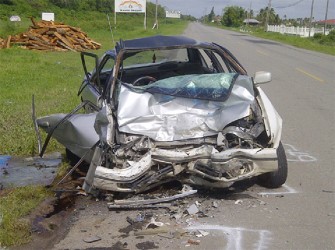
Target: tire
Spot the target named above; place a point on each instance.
(73, 159)
(277, 178)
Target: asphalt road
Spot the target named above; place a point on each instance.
(299, 215)
(303, 92)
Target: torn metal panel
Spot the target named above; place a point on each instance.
(30, 171)
(153, 201)
(170, 118)
(76, 133)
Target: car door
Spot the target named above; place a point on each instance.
(94, 85)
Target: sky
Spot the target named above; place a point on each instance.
(290, 8)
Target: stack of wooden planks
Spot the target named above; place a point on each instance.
(51, 36)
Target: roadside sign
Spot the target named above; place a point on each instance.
(130, 6)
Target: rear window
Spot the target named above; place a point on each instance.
(149, 57)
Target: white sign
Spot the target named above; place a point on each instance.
(130, 6)
(172, 14)
(15, 19)
(48, 16)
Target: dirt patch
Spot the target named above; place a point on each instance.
(49, 222)
(146, 245)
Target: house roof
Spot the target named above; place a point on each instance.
(329, 22)
(253, 21)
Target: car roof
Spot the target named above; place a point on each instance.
(160, 42)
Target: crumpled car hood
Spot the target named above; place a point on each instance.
(184, 107)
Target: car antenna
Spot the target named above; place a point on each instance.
(110, 27)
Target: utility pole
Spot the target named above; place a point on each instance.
(156, 19)
(325, 27)
(249, 16)
(267, 15)
(311, 19)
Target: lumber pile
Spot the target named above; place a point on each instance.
(51, 36)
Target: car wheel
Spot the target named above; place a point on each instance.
(277, 178)
(73, 160)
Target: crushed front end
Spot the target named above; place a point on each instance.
(152, 138)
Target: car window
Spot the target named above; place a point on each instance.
(145, 58)
(214, 61)
(105, 70)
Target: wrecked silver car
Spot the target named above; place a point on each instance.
(168, 108)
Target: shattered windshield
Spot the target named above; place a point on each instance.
(215, 87)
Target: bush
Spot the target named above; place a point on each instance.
(317, 36)
(331, 35)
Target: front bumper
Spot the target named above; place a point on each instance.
(202, 166)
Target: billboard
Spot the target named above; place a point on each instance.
(48, 16)
(172, 14)
(130, 6)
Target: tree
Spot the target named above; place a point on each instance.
(211, 15)
(8, 2)
(233, 16)
(273, 17)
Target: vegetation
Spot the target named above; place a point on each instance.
(233, 16)
(14, 205)
(319, 42)
(273, 18)
(54, 79)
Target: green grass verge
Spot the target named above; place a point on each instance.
(54, 79)
(17, 203)
(299, 42)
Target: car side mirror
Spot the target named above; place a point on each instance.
(262, 77)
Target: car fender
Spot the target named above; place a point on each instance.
(272, 120)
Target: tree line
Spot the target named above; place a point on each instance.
(34, 7)
(233, 16)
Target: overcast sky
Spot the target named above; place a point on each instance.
(290, 8)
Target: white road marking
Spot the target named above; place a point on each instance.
(294, 154)
(288, 190)
(310, 75)
(235, 236)
(262, 53)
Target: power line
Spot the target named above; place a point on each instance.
(288, 6)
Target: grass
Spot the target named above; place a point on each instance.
(16, 204)
(299, 42)
(54, 79)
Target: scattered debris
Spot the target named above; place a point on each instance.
(147, 245)
(193, 242)
(154, 224)
(144, 203)
(51, 36)
(119, 245)
(215, 204)
(262, 202)
(238, 202)
(193, 209)
(112, 206)
(201, 233)
(152, 231)
(92, 239)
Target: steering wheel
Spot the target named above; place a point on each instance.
(144, 80)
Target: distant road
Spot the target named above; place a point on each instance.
(303, 92)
